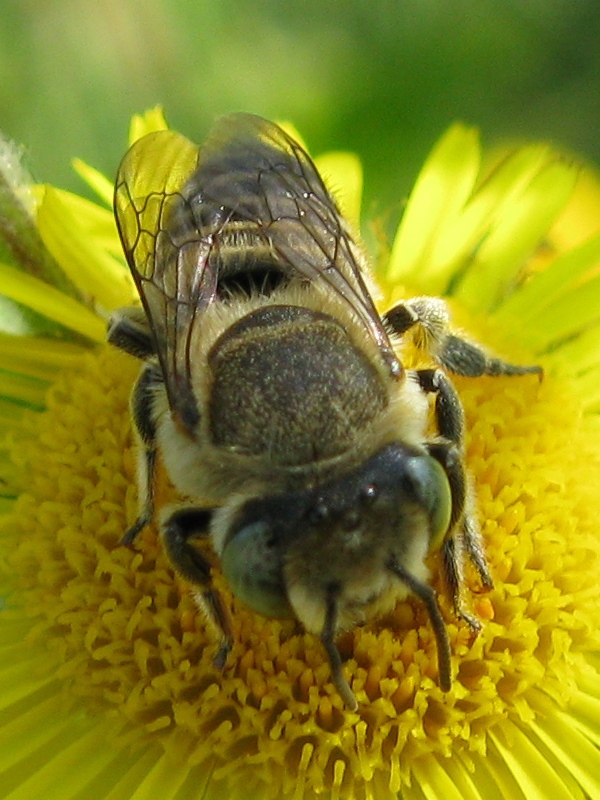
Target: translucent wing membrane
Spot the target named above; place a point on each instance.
(256, 172)
(170, 276)
(178, 208)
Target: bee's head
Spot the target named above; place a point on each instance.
(283, 554)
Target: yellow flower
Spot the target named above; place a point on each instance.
(107, 686)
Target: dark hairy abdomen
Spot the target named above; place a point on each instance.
(289, 382)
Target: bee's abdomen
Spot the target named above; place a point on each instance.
(289, 382)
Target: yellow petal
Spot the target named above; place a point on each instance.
(151, 121)
(67, 226)
(435, 782)
(343, 176)
(51, 303)
(581, 217)
(580, 360)
(588, 385)
(10, 413)
(564, 316)
(442, 189)
(532, 771)
(512, 241)
(498, 191)
(96, 180)
(161, 161)
(35, 357)
(574, 750)
(65, 764)
(547, 286)
(585, 712)
(97, 222)
(23, 389)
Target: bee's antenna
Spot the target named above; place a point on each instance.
(429, 597)
(335, 661)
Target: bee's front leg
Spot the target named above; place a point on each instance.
(429, 320)
(177, 529)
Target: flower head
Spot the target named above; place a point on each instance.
(109, 687)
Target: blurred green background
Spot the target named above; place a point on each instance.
(381, 78)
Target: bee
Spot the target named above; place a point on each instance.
(272, 389)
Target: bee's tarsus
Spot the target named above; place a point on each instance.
(220, 658)
(132, 533)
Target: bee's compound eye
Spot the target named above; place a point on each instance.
(430, 488)
(251, 564)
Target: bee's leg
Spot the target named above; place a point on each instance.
(335, 661)
(465, 533)
(429, 318)
(470, 360)
(145, 427)
(472, 541)
(128, 329)
(453, 561)
(177, 529)
(449, 414)
(450, 420)
(448, 455)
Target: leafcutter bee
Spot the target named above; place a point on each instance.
(275, 397)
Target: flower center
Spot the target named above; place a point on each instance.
(128, 640)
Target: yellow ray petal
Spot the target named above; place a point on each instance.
(10, 413)
(442, 189)
(94, 271)
(63, 766)
(585, 712)
(534, 775)
(149, 122)
(499, 189)
(482, 772)
(566, 316)
(23, 389)
(516, 236)
(161, 781)
(36, 724)
(342, 173)
(435, 782)
(129, 771)
(470, 788)
(547, 286)
(97, 222)
(95, 180)
(572, 748)
(20, 682)
(36, 357)
(588, 387)
(51, 303)
(172, 156)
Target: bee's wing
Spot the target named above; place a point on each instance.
(170, 272)
(172, 206)
(250, 169)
